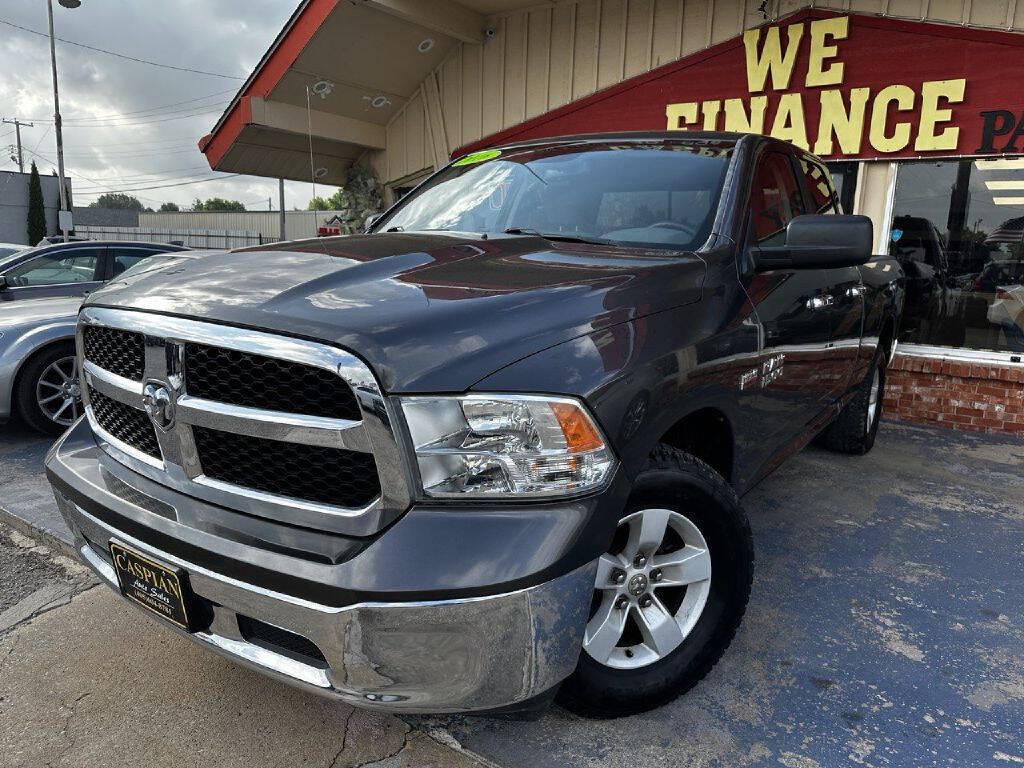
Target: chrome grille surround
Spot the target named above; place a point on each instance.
(180, 468)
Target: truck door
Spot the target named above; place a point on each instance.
(791, 377)
(846, 310)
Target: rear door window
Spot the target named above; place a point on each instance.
(123, 258)
(821, 197)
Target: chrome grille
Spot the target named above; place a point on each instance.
(124, 423)
(256, 381)
(235, 440)
(115, 350)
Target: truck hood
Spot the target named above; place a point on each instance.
(430, 312)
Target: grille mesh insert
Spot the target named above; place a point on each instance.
(127, 424)
(279, 639)
(242, 378)
(114, 350)
(308, 472)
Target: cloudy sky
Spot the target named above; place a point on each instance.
(127, 125)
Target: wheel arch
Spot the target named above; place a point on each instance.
(707, 434)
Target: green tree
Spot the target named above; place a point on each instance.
(217, 204)
(117, 200)
(169, 207)
(36, 208)
(319, 204)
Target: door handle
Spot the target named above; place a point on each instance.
(820, 302)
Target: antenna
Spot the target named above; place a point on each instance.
(309, 132)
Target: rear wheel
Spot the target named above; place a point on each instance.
(856, 426)
(49, 396)
(669, 593)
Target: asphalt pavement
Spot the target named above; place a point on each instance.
(886, 628)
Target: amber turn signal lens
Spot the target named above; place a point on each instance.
(579, 432)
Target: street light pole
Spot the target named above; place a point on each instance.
(56, 107)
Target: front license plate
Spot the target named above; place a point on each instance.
(156, 587)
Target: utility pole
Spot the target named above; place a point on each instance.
(56, 107)
(17, 133)
(280, 194)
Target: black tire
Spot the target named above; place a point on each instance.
(855, 427)
(25, 391)
(677, 481)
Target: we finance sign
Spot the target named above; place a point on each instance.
(842, 86)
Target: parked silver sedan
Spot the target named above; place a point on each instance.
(38, 372)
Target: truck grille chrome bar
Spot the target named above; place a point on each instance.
(209, 410)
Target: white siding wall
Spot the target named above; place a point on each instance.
(544, 57)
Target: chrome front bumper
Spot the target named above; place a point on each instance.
(439, 656)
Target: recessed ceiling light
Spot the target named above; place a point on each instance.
(323, 88)
(378, 102)
(425, 45)
(320, 172)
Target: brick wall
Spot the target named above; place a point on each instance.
(981, 397)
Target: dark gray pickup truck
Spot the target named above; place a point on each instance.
(493, 450)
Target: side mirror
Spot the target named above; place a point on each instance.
(372, 219)
(3, 282)
(821, 242)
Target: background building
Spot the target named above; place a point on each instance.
(14, 205)
(916, 103)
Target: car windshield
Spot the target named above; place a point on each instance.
(661, 194)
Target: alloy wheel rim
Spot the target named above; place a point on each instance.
(58, 392)
(873, 398)
(650, 592)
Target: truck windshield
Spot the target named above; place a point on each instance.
(660, 194)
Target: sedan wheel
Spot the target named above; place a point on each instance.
(58, 392)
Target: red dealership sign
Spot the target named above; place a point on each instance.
(843, 86)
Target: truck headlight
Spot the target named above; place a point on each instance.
(513, 446)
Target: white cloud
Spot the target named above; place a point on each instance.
(144, 148)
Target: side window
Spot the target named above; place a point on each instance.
(774, 200)
(123, 258)
(57, 268)
(819, 187)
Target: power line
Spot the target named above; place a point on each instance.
(138, 189)
(112, 124)
(122, 55)
(157, 111)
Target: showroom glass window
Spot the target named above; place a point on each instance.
(958, 232)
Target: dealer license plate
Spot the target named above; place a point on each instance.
(159, 588)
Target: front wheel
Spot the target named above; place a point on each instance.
(669, 593)
(48, 394)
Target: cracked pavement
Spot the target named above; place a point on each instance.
(886, 628)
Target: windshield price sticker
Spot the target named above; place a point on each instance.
(478, 157)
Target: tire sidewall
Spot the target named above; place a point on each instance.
(694, 497)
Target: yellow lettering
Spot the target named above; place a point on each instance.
(680, 115)
(789, 124)
(710, 110)
(931, 91)
(771, 60)
(821, 30)
(903, 97)
(846, 125)
(736, 118)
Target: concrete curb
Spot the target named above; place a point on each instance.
(49, 538)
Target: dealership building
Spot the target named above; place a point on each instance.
(917, 105)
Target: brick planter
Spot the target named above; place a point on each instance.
(980, 397)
